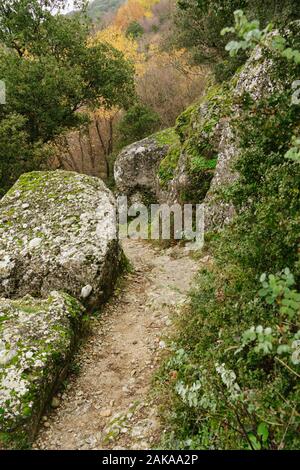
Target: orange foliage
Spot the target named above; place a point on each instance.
(133, 10)
(169, 83)
(117, 38)
(165, 81)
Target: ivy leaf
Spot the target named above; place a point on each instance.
(297, 57)
(288, 53)
(279, 43)
(263, 277)
(283, 348)
(263, 432)
(254, 442)
(232, 47)
(227, 30)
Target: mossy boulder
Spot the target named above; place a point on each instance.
(209, 145)
(136, 168)
(58, 232)
(256, 80)
(198, 163)
(199, 129)
(37, 340)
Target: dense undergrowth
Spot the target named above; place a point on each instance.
(232, 379)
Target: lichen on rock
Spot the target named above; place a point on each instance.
(256, 81)
(136, 169)
(37, 339)
(58, 232)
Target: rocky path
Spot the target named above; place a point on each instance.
(108, 404)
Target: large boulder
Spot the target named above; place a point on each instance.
(37, 340)
(200, 164)
(136, 169)
(58, 232)
(257, 80)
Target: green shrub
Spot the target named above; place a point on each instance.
(198, 24)
(134, 30)
(232, 378)
(138, 122)
(17, 154)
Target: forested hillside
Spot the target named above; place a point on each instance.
(166, 83)
(147, 340)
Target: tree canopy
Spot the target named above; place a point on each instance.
(51, 70)
(198, 24)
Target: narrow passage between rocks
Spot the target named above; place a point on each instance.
(108, 404)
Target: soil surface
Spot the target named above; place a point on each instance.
(108, 403)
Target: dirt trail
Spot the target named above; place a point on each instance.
(108, 404)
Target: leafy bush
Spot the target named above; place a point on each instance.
(198, 24)
(137, 123)
(235, 367)
(17, 154)
(233, 375)
(135, 30)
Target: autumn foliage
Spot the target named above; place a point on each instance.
(165, 81)
(133, 10)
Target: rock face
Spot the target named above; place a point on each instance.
(136, 169)
(37, 339)
(197, 167)
(254, 80)
(58, 232)
(217, 212)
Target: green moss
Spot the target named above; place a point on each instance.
(168, 165)
(183, 122)
(36, 180)
(55, 349)
(167, 137)
(74, 307)
(195, 136)
(125, 264)
(199, 163)
(28, 308)
(16, 441)
(28, 182)
(27, 411)
(9, 212)
(3, 318)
